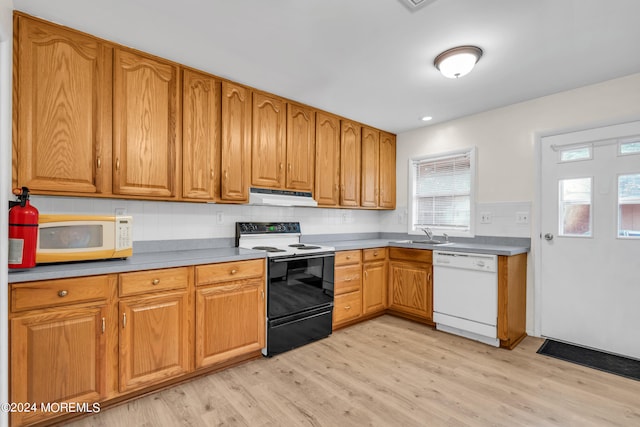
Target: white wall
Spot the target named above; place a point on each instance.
(6, 44)
(507, 141)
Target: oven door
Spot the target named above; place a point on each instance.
(298, 284)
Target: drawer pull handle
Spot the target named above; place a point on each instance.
(124, 320)
(375, 253)
(155, 282)
(347, 307)
(262, 293)
(62, 293)
(348, 256)
(234, 271)
(104, 326)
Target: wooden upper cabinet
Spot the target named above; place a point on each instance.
(349, 163)
(301, 137)
(200, 136)
(146, 107)
(370, 167)
(62, 110)
(236, 143)
(327, 160)
(387, 197)
(269, 140)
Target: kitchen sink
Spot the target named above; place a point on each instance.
(425, 242)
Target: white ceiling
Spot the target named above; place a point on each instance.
(372, 60)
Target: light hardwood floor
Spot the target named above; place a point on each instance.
(392, 372)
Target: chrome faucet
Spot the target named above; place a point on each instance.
(446, 237)
(428, 232)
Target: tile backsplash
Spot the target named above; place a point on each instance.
(175, 220)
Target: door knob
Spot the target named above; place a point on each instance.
(548, 236)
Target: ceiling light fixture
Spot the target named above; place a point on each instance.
(426, 118)
(458, 61)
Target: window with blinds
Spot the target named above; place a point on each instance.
(443, 192)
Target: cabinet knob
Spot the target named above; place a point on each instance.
(348, 256)
(347, 307)
(62, 293)
(155, 281)
(375, 253)
(234, 271)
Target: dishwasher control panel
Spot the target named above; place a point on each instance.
(469, 261)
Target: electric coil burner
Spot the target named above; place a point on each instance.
(299, 283)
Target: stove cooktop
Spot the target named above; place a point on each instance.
(279, 239)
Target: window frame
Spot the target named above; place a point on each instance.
(472, 153)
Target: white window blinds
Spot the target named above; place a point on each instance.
(442, 192)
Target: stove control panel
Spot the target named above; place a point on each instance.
(267, 227)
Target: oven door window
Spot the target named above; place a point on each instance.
(299, 284)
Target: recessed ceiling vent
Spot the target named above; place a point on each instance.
(416, 4)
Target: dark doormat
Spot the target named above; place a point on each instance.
(606, 362)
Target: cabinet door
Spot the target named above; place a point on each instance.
(374, 287)
(349, 164)
(146, 105)
(200, 136)
(370, 167)
(268, 143)
(387, 198)
(62, 110)
(301, 127)
(327, 179)
(154, 339)
(236, 144)
(230, 321)
(410, 289)
(58, 357)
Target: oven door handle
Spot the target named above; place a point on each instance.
(287, 259)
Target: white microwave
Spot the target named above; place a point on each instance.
(63, 238)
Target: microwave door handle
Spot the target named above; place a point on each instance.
(301, 257)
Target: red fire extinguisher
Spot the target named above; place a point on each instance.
(23, 231)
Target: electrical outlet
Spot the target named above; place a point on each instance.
(219, 218)
(485, 217)
(522, 217)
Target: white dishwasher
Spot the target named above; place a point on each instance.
(465, 295)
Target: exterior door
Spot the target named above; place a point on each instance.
(590, 239)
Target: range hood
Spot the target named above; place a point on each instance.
(270, 197)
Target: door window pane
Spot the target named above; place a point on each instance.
(575, 207)
(629, 206)
(573, 154)
(631, 147)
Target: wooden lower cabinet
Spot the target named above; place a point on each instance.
(347, 304)
(230, 311)
(154, 339)
(374, 281)
(62, 344)
(411, 283)
(58, 357)
(347, 307)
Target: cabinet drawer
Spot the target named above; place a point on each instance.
(226, 271)
(51, 293)
(143, 282)
(415, 255)
(374, 254)
(347, 279)
(347, 307)
(348, 257)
